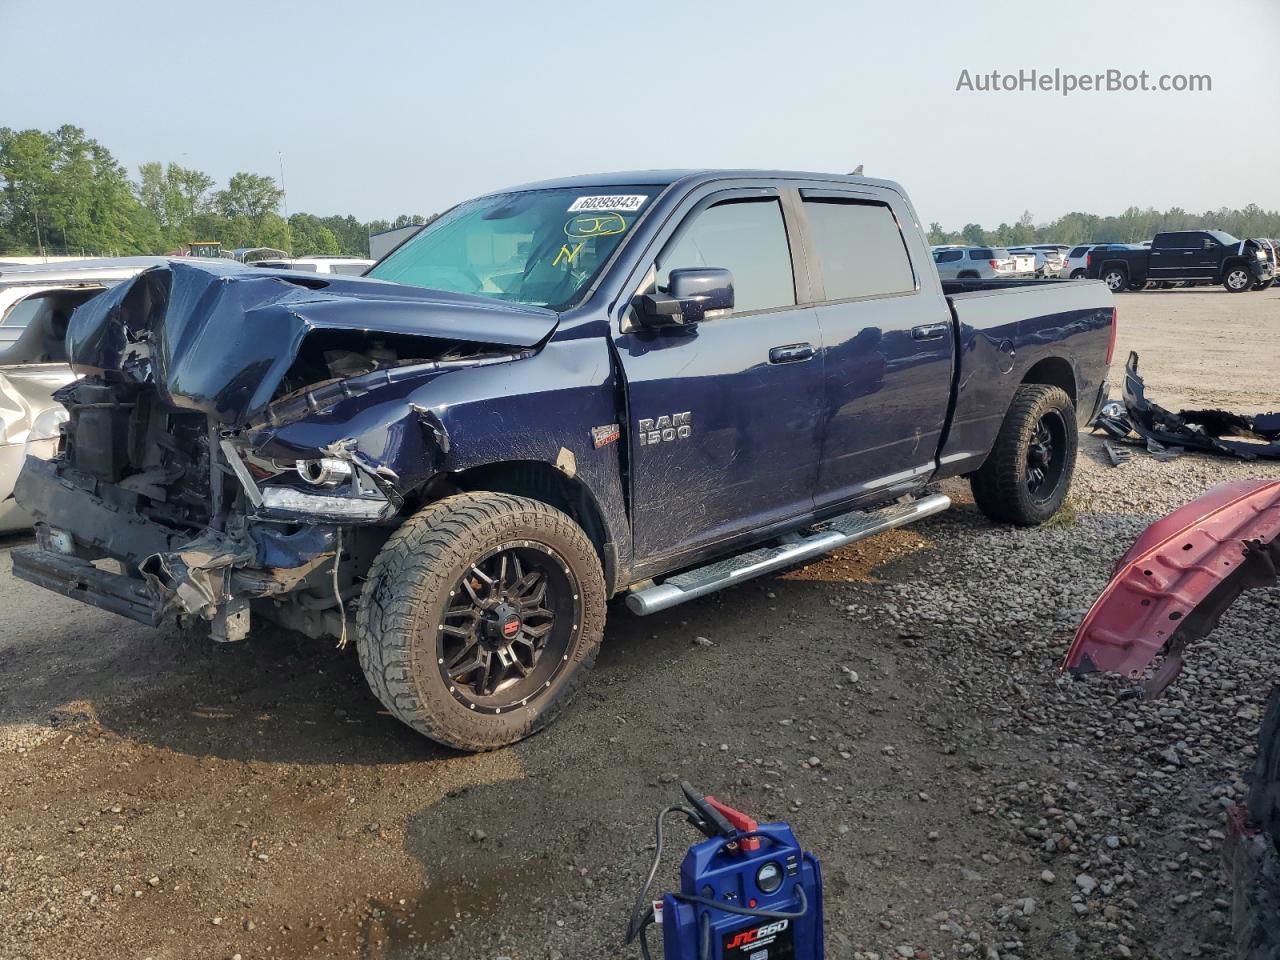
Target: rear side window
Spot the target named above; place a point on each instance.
(1078, 251)
(1172, 240)
(746, 237)
(860, 248)
(22, 313)
(982, 253)
(947, 256)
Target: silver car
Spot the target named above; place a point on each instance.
(982, 263)
(1049, 259)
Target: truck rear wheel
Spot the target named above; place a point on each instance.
(1116, 279)
(479, 618)
(1028, 472)
(1237, 279)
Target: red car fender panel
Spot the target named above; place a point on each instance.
(1173, 584)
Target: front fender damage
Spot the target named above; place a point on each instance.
(1173, 585)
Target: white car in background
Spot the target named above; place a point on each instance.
(348, 266)
(1077, 257)
(1048, 263)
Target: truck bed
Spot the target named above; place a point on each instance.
(1005, 330)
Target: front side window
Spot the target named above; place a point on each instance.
(746, 237)
(540, 247)
(860, 248)
(948, 256)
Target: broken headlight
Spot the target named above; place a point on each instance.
(325, 472)
(324, 489)
(297, 504)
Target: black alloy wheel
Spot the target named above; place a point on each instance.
(508, 627)
(1046, 456)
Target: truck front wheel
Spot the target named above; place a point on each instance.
(1028, 472)
(479, 618)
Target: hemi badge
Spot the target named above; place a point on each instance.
(602, 435)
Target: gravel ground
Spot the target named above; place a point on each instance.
(897, 702)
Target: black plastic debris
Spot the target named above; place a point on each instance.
(1117, 455)
(1166, 434)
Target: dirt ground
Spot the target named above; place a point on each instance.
(896, 702)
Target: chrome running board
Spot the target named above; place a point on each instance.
(832, 534)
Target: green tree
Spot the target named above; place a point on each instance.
(311, 237)
(175, 196)
(248, 196)
(26, 169)
(974, 235)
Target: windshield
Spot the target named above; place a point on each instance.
(541, 247)
(1223, 238)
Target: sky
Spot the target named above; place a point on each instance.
(393, 106)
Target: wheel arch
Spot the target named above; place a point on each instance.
(1054, 372)
(544, 482)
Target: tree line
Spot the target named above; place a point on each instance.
(62, 192)
(1134, 225)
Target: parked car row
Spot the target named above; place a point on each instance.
(1172, 259)
(982, 263)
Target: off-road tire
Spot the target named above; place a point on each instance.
(1253, 862)
(1000, 484)
(408, 591)
(1255, 902)
(1232, 275)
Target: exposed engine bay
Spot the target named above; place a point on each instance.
(175, 467)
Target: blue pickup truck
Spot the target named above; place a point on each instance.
(652, 385)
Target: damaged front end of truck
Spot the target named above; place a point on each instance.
(241, 443)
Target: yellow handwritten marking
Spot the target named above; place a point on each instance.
(567, 254)
(595, 225)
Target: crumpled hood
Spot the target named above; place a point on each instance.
(220, 339)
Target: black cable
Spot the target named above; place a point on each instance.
(642, 911)
(748, 911)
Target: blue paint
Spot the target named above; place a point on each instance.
(880, 407)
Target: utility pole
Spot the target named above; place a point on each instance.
(284, 196)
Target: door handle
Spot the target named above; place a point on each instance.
(930, 331)
(791, 353)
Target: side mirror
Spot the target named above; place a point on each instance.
(692, 293)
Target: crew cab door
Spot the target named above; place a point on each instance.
(724, 417)
(887, 344)
(1185, 255)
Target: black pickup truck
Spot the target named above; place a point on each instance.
(652, 385)
(1186, 257)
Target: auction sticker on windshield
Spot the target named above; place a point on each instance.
(624, 202)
